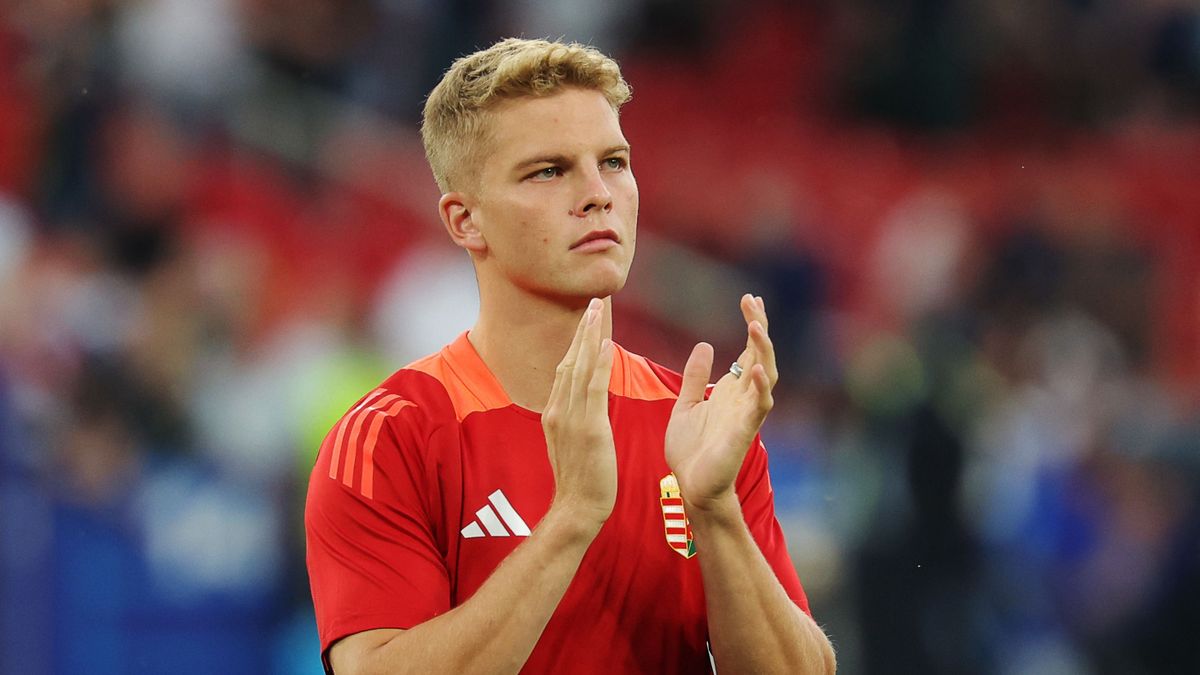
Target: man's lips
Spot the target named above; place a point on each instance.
(597, 235)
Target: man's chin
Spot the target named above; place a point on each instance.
(607, 287)
(582, 293)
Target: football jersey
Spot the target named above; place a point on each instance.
(434, 477)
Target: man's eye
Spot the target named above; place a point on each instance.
(614, 163)
(547, 173)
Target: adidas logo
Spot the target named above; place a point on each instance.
(493, 524)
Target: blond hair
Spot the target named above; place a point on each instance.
(453, 125)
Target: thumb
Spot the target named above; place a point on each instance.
(695, 375)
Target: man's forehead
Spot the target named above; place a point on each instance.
(573, 120)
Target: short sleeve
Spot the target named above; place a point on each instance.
(373, 561)
(758, 508)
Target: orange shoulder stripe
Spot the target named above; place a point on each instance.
(367, 486)
(355, 429)
(632, 377)
(334, 464)
(470, 385)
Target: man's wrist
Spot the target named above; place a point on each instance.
(724, 509)
(574, 522)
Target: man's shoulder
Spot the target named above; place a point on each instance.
(390, 423)
(638, 377)
(426, 384)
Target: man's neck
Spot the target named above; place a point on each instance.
(523, 340)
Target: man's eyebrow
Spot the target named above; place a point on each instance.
(542, 159)
(563, 159)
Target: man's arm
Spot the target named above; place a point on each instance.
(497, 628)
(754, 627)
(494, 631)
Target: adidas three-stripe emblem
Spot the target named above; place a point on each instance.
(494, 521)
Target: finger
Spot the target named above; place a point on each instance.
(558, 391)
(573, 350)
(696, 372)
(585, 362)
(764, 350)
(762, 387)
(597, 395)
(749, 307)
(561, 390)
(752, 310)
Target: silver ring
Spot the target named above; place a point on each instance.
(736, 369)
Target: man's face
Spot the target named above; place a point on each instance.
(556, 201)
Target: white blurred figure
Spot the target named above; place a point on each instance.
(1077, 374)
(190, 51)
(918, 259)
(245, 404)
(428, 300)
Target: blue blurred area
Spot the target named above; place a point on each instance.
(976, 226)
(175, 574)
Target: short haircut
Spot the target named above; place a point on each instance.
(454, 126)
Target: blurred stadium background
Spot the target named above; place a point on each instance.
(976, 224)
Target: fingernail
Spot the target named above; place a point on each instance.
(596, 304)
(591, 316)
(605, 344)
(760, 302)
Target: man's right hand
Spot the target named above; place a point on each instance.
(579, 437)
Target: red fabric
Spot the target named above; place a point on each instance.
(399, 558)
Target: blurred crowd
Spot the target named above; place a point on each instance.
(976, 225)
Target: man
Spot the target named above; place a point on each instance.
(533, 496)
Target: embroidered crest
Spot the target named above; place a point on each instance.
(675, 522)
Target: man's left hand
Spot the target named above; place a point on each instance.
(707, 440)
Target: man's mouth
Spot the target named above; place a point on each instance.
(599, 236)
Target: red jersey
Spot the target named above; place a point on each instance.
(430, 480)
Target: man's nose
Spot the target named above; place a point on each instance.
(595, 195)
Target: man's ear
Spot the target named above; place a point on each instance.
(458, 218)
